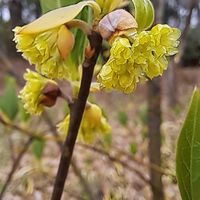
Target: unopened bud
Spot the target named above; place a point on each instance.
(116, 22)
(93, 114)
(50, 93)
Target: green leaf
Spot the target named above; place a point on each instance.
(188, 152)
(107, 140)
(143, 114)
(22, 114)
(9, 100)
(133, 148)
(122, 117)
(144, 13)
(80, 39)
(37, 148)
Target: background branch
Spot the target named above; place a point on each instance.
(14, 167)
(115, 159)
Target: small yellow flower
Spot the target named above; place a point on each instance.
(31, 95)
(166, 39)
(47, 41)
(93, 124)
(47, 50)
(148, 63)
(138, 57)
(117, 72)
(156, 67)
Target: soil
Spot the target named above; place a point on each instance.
(33, 179)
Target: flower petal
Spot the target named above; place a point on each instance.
(65, 41)
(57, 17)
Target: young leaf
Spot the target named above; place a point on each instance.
(123, 118)
(80, 40)
(143, 114)
(133, 148)
(22, 114)
(9, 100)
(37, 148)
(188, 152)
(144, 13)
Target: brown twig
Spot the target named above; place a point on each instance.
(148, 165)
(14, 167)
(84, 182)
(115, 159)
(76, 113)
(22, 130)
(39, 135)
(53, 129)
(130, 157)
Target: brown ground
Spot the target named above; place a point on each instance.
(33, 180)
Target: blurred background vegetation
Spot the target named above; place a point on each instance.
(137, 160)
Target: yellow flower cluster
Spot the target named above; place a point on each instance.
(93, 123)
(31, 95)
(166, 39)
(116, 73)
(141, 56)
(47, 50)
(47, 43)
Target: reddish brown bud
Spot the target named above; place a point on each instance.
(50, 93)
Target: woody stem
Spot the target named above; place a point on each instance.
(76, 113)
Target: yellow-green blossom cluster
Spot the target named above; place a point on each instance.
(92, 125)
(47, 50)
(31, 95)
(139, 57)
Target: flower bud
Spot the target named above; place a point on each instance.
(93, 124)
(115, 23)
(93, 114)
(50, 93)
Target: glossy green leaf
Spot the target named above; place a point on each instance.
(37, 148)
(188, 152)
(9, 100)
(144, 13)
